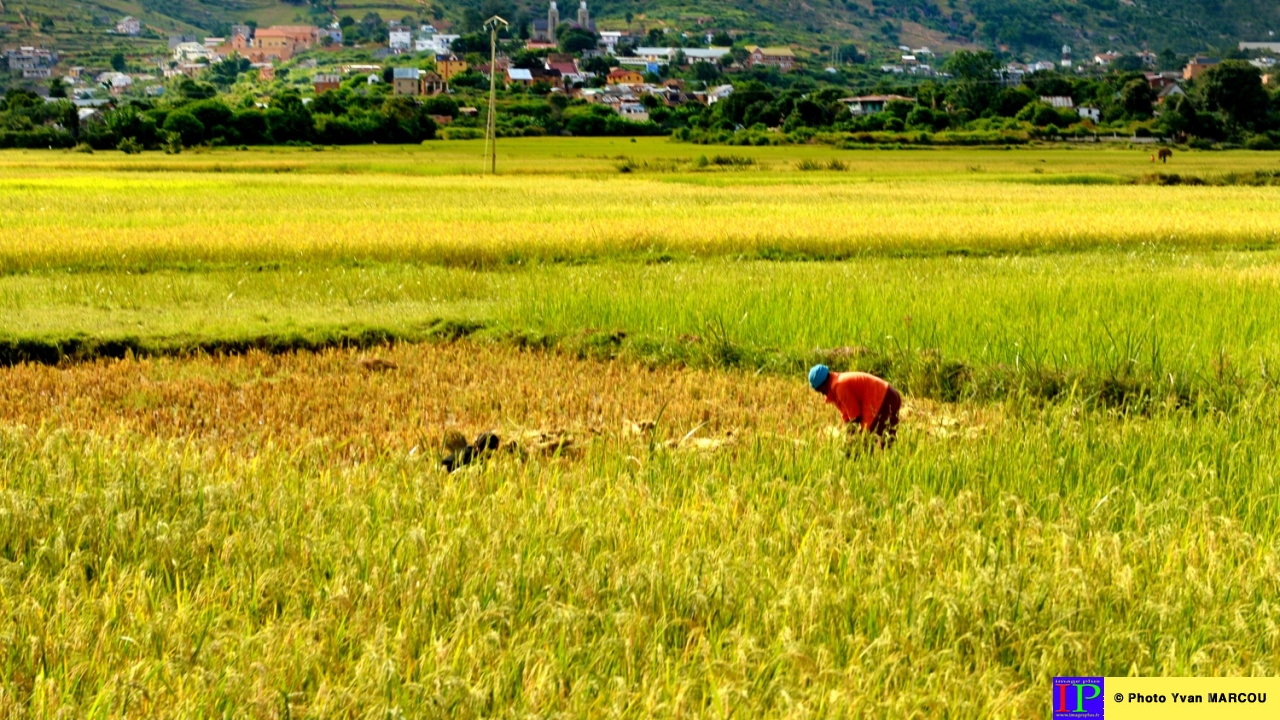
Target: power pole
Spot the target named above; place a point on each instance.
(491, 123)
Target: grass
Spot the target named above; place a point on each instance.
(239, 517)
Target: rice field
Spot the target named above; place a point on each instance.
(227, 388)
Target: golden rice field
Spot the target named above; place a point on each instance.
(228, 378)
(145, 213)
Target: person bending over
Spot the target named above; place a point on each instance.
(863, 400)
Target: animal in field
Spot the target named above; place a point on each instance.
(1164, 154)
(469, 453)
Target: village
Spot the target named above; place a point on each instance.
(655, 83)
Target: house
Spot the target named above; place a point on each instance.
(325, 83)
(1175, 90)
(441, 44)
(400, 40)
(37, 73)
(780, 57)
(625, 77)
(129, 26)
(1089, 113)
(450, 66)
(1197, 67)
(30, 58)
(635, 112)
(1058, 101)
(691, 55)
(519, 76)
(1105, 59)
(406, 81)
(610, 39)
(1160, 81)
(431, 83)
(283, 41)
(191, 52)
(716, 94)
(872, 104)
(266, 71)
(563, 64)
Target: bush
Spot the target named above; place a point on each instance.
(1260, 142)
(129, 146)
(85, 148)
(462, 133)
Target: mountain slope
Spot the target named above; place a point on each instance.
(1024, 27)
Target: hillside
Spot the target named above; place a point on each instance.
(82, 28)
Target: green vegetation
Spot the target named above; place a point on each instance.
(219, 480)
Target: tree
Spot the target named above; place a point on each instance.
(576, 40)
(721, 39)
(57, 88)
(1137, 98)
(186, 127)
(849, 54)
(629, 18)
(705, 72)
(974, 83)
(1167, 59)
(117, 62)
(1127, 63)
(597, 66)
(1234, 88)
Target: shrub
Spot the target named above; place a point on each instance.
(462, 133)
(1260, 142)
(129, 146)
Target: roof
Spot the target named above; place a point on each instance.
(772, 51)
(327, 79)
(1058, 101)
(622, 73)
(877, 98)
(406, 73)
(564, 68)
(520, 74)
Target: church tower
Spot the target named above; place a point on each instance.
(584, 16)
(553, 19)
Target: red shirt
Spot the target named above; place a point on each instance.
(857, 395)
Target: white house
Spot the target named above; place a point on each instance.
(129, 26)
(192, 51)
(401, 40)
(872, 104)
(716, 94)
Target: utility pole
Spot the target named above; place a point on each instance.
(491, 123)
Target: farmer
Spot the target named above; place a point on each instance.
(861, 398)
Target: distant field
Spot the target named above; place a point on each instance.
(213, 502)
(553, 205)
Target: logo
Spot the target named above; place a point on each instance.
(1077, 698)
